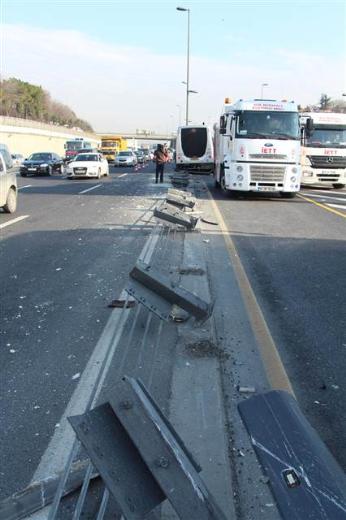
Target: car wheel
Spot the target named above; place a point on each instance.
(62, 169)
(11, 201)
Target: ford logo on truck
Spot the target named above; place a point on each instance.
(268, 144)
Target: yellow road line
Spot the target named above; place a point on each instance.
(275, 370)
(322, 206)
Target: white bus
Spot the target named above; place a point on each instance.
(194, 149)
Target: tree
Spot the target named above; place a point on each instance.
(325, 101)
(21, 99)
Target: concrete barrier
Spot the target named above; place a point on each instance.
(25, 137)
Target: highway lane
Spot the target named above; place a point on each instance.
(293, 252)
(60, 267)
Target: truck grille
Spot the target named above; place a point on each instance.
(327, 161)
(261, 173)
(277, 157)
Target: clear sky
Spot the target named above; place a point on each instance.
(120, 65)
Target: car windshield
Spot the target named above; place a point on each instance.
(124, 154)
(263, 125)
(40, 157)
(327, 137)
(86, 157)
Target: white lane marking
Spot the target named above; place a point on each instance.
(327, 197)
(340, 206)
(122, 175)
(89, 189)
(13, 221)
(22, 187)
(55, 457)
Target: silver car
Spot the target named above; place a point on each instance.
(8, 187)
(126, 158)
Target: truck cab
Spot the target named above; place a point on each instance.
(323, 158)
(257, 147)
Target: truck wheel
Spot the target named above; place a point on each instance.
(288, 194)
(338, 186)
(11, 201)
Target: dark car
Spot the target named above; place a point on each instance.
(140, 156)
(42, 163)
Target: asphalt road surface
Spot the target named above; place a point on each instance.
(65, 255)
(294, 254)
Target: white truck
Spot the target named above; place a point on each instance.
(257, 147)
(323, 156)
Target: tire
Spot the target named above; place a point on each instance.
(11, 201)
(338, 186)
(288, 194)
(62, 169)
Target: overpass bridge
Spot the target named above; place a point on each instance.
(143, 136)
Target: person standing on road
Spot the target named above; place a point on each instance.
(160, 157)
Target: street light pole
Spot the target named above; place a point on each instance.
(187, 61)
(262, 87)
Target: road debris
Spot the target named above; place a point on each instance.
(120, 304)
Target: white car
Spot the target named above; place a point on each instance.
(126, 158)
(87, 165)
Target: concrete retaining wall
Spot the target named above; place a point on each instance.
(26, 137)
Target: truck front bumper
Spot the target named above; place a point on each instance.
(263, 177)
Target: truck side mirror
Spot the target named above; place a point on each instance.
(309, 126)
(222, 125)
(222, 130)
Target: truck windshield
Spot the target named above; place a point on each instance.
(263, 125)
(110, 144)
(327, 137)
(74, 145)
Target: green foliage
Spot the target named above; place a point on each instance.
(325, 101)
(22, 99)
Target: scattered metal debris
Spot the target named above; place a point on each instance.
(246, 389)
(120, 304)
(40, 494)
(141, 458)
(177, 295)
(174, 215)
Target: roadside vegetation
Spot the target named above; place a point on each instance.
(22, 99)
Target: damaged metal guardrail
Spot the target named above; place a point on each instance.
(174, 215)
(141, 458)
(305, 478)
(159, 294)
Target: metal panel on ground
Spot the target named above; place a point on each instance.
(305, 479)
(174, 215)
(118, 461)
(177, 295)
(165, 455)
